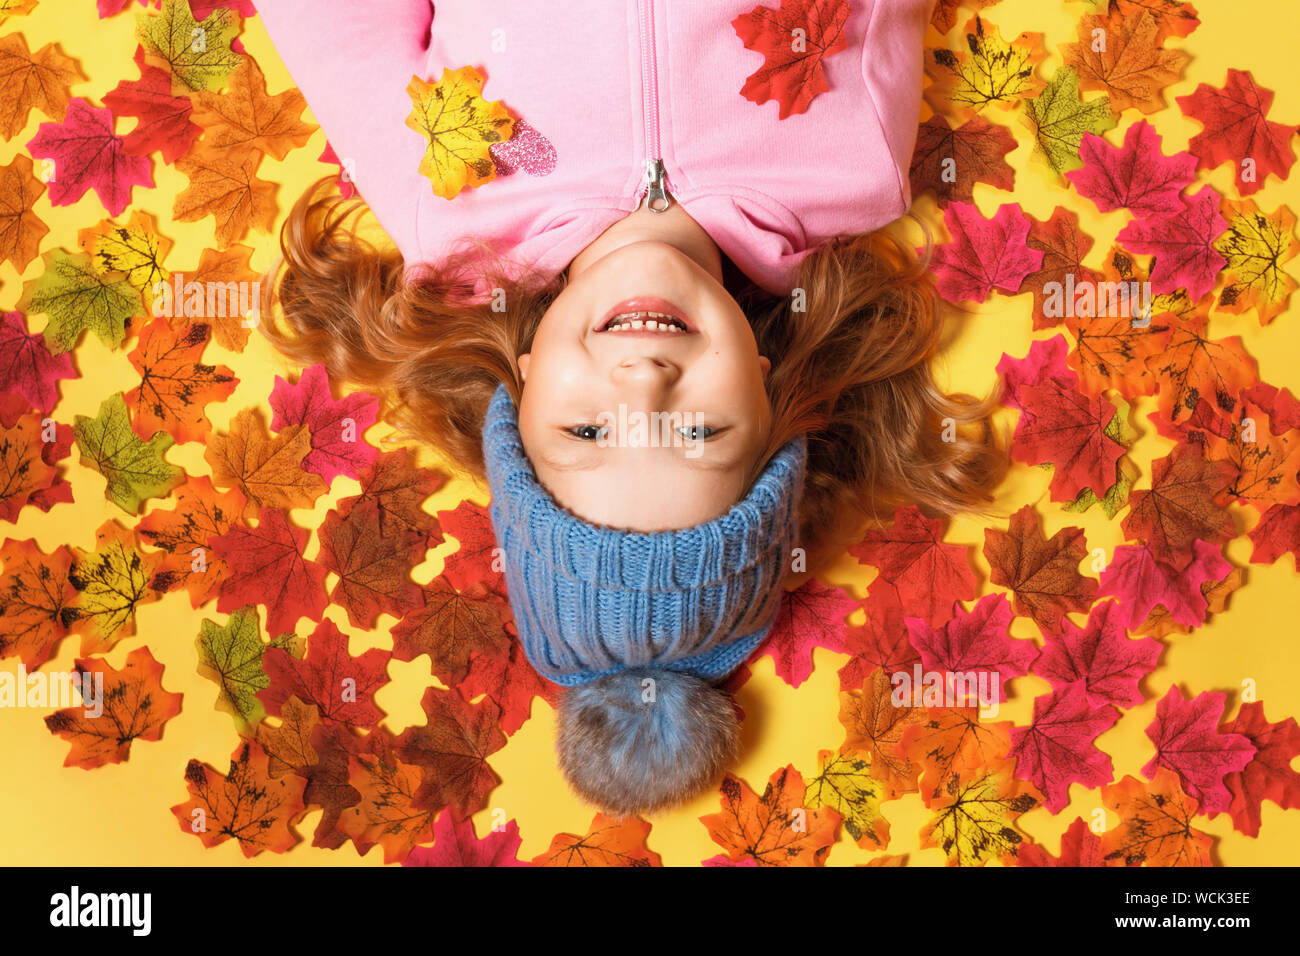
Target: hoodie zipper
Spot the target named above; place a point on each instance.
(656, 190)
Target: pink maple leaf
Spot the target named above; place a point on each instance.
(811, 615)
(1100, 657)
(984, 253)
(1187, 739)
(87, 155)
(1043, 363)
(1182, 242)
(1136, 176)
(336, 425)
(974, 642)
(1268, 776)
(1140, 581)
(455, 844)
(1058, 748)
(26, 365)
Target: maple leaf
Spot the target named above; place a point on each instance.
(34, 593)
(776, 828)
(950, 742)
(844, 784)
(77, 297)
(1173, 17)
(1044, 362)
(133, 469)
(399, 488)
(509, 681)
(608, 842)
(911, 555)
(810, 616)
(1188, 741)
(1268, 776)
(1074, 433)
(336, 425)
(1141, 581)
(949, 162)
(1079, 847)
(1181, 506)
(1059, 746)
(987, 70)
(111, 581)
(169, 42)
(243, 115)
(374, 569)
(1042, 573)
(247, 803)
(185, 534)
(21, 229)
(135, 250)
(1155, 824)
(386, 813)
(87, 155)
(1237, 129)
(1059, 120)
(164, 122)
(12, 8)
(133, 706)
(223, 313)
(225, 186)
(874, 724)
(327, 779)
(945, 12)
(231, 656)
(341, 686)
(1111, 351)
(792, 73)
(1130, 66)
(267, 470)
(24, 470)
(452, 748)
(1277, 532)
(1136, 176)
(983, 253)
(974, 642)
(266, 566)
(1099, 658)
(975, 822)
(1182, 241)
(1159, 623)
(288, 745)
(476, 559)
(881, 642)
(1063, 246)
(451, 627)
(460, 127)
(174, 385)
(42, 80)
(456, 844)
(1256, 246)
(1191, 367)
(1265, 464)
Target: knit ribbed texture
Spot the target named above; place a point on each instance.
(591, 601)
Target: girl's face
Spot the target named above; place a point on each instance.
(639, 429)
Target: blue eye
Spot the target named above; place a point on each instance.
(588, 432)
(696, 432)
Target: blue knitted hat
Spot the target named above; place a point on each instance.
(600, 610)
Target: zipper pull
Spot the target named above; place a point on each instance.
(656, 193)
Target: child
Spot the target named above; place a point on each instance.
(660, 248)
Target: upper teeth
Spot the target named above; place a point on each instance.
(650, 321)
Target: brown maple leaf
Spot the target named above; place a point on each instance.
(374, 569)
(451, 627)
(1043, 573)
(452, 748)
(1182, 506)
(20, 228)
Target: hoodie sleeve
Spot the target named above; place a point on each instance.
(352, 62)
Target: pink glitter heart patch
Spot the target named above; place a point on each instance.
(527, 149)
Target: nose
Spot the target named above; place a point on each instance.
(645, 372)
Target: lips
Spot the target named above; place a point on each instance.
(625, 319)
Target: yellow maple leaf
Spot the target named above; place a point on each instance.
(460, 126)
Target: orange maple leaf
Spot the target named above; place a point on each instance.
(184, 535)
(243, 115)
(268, 471)
(949, 742)
(20, 228)
(775, 829)
(42, 79)
(874, 724)
(1120, 55)
(174, 384)
(215, 292)
(1155, 824)
(607, 842)
(224, 185)
(33, 593)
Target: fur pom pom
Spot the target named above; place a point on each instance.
(645, 739)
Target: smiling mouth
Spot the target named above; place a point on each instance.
(645, 314)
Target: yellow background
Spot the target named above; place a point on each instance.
(119, 814)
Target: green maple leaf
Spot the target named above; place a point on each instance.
(134, 469)
(231, 656)
(76, 297)
(197, 55)
(1059, 119)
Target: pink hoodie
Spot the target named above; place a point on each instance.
(609, 85)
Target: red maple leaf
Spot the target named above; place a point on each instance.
(1268, 776)
(880, 643)
(267, 567)
(1188, 741)
(975, 642)
(164, 120)
(26, 365)
(949, 162)
(1141, 581)
(1182, 241)
(1276, 533)
(399, 488)
(1043, 363)
(336, 425)
(456, 844)
(984, 253)
(1100, 658)
(1062, 427)
(341, 686)
(510, 682)
(1042, 573)
(1059, 747)
(910, 554)
(87, 155)
(475, 560)
(810, 616)
(1137, 176)
(452, 748)
(1237, 128)
(1183, 505)
(1079, 847)
(453, 627)
(794, 41)
(374, 569)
